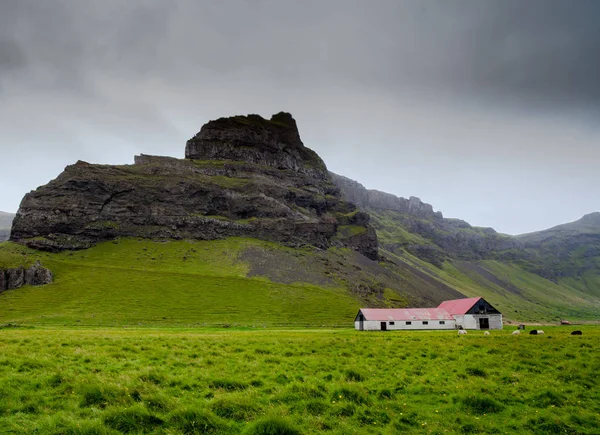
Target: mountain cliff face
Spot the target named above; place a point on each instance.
(274, 143)
(413, 225)
(242, 176)
(5, 224)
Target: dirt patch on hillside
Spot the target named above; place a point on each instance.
(481, 274)
(285, 267)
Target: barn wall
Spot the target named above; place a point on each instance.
(495, 321)
(373, 325)
(467, 321)
(471, 321)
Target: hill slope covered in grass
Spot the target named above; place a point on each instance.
(246, 282)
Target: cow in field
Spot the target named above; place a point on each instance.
(576, 333)
(517, 332)
(462, 332)
(536, 332)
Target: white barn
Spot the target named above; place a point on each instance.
(468, 313)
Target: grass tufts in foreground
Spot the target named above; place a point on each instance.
(159, 381)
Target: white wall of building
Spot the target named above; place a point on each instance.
(496, 321)
(375, 325)
(471, 321)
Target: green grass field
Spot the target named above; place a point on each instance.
(110, 381)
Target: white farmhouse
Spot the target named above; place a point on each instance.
(468, 313)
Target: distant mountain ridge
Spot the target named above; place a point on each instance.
(6, 220)
(568, 251)
(412, 225)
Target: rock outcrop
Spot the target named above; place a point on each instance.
(365, 198)
(18, 277)
(242, 176)
(274, 143)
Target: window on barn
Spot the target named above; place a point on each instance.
(425, 322)
(442, 322)
(409, 323)
(391, 323)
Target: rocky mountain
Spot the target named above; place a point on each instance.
(5, 225)
(262, 206)
(568, 254)
(412, 225)
(242, 176)
(569, 251)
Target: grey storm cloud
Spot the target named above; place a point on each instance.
(542, 49)
(452, 88)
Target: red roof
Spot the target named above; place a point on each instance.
(459, 306)
(385, 314)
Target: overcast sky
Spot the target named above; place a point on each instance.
(488, 110)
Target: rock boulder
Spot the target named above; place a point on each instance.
(14, 278)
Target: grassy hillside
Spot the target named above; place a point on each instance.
(519, 294)
(186, 283)
(556, 274)
(569, 253)
(253, 283)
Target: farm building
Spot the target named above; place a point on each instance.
(468, 313)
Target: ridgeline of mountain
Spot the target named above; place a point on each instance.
(242, 176)
(412, 225)
(5, 225)
(570, 251)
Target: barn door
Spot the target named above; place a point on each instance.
(361, 322)
(384, 326)
(484, 323)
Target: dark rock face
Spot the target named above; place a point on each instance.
(18, 277)
(15, 278)
(355, 192)
(274, 143)
(244, 176)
